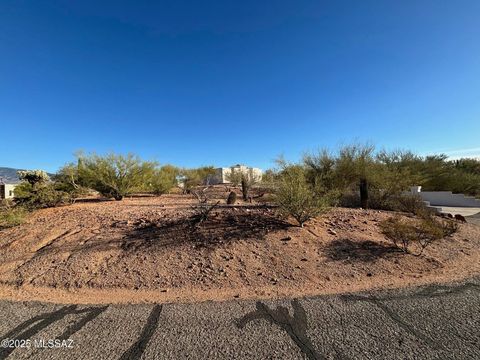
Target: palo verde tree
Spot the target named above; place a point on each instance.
(294, 195)
(196, 177)
(353, 166)
(164, 179)
(115, 175)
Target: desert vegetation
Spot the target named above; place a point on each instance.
(11, 215)
(414, 235)
(333, 220)
(295, 196)
(246, 180)
(355, 175)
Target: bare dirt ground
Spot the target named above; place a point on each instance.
(143, 250)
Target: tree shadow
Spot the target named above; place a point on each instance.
(93, 200)
(225, 225)
(359, 251)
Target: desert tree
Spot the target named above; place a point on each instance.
(164, 179)
(192, 178)
(68, 179)
(295, 196)
(115, 175)
(352, 166)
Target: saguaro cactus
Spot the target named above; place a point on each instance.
(364, 193)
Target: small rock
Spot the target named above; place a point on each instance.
(287, 238)
(369, 274)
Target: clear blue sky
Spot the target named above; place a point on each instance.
(222, 82)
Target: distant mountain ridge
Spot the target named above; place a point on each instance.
(9, 175)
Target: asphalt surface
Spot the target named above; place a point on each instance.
(464, 211)
(474, 219)
(433, 322)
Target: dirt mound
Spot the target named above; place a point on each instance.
(148, 249)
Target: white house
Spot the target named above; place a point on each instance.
(444, 198)
(222, 174)
(7, 191)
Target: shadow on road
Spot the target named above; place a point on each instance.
(295, 326)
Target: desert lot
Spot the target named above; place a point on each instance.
(145, 249)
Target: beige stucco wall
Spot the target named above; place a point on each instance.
(7, 191)
(221, 175)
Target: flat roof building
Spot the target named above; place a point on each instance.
(222, 175)
(7, 191)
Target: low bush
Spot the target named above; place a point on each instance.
(12, 216)
(408, 203)
(400, 202)
(232, 198)
(295, 197)
(407, 234)
(41, 196)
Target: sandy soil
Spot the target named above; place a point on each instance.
(143, 250)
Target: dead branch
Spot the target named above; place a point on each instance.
(200, 195)
(202, 213)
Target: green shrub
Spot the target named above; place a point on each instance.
(115, 175)
(295, 197)
(164, 179)
(12, 216)
(386, 175)
(408, 234)
(67, 180)
(399, 202)
(196, 177)
(40, 196)
(409, 204)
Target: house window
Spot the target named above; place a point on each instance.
(10, 193)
